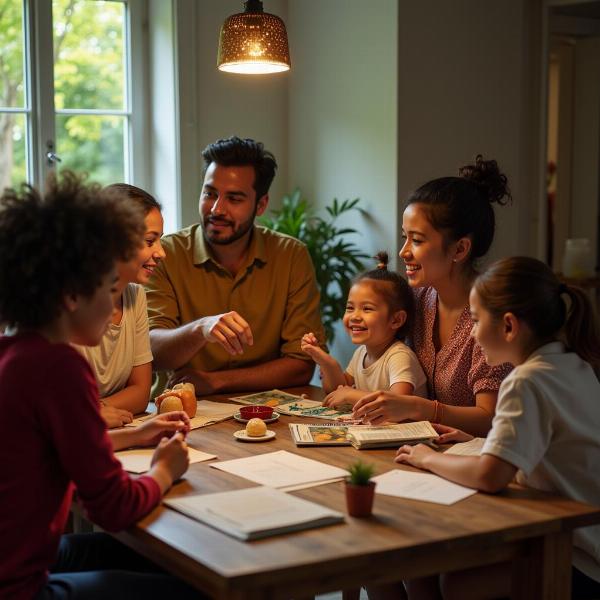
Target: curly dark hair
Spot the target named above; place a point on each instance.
(393, 288)
(64, 242)
(237, 152)
(462, 206)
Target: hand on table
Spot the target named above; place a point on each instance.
(229, 330)
(344, 395)
(380, 406)
(414, 455)
(150, 432)
(115, 417)
(450, 434)
(310, 345)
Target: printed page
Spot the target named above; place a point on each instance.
(402, 431)
(138, 460)
(269, 398)
(471, 448)
(280, 469)
(420, 486)
(319, 434)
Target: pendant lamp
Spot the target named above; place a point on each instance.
(253, 42)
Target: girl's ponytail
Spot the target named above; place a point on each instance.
(581, 326)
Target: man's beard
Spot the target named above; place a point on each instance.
(218, 239)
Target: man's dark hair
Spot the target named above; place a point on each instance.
(64, 242)
(237, 152)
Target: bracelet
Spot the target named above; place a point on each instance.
(438, 412)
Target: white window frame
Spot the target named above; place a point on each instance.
(39, 92)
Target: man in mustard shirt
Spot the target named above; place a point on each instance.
(231, 300)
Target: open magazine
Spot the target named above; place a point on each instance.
(290, 404)
(362, 436)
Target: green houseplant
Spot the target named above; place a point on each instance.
(360, 489)
(336, 259)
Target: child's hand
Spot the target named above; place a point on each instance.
(172, 456)
(115, 417)
(310, 345)
(414, 455)
(152, 431)
(343, 395)
(450, 434)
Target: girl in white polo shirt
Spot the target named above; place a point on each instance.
(547, 422)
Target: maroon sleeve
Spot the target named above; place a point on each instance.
(72, 418)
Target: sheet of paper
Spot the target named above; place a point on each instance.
(208, 413)
(471, 448)
(270, 398)
(280, 469)
(420, 486)
(303, 486)
(138, 460)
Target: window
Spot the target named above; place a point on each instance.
(65, 92)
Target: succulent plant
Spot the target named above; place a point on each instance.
(360, 473)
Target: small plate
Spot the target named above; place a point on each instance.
(238, 417)
(242, 436)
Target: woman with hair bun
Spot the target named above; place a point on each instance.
(448, 225)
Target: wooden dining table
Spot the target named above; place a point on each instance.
(403, 538)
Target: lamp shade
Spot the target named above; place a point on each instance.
(253, 42)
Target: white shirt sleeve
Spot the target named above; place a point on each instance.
(522, 427)
(403, 367)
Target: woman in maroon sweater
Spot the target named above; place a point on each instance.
(57, 271)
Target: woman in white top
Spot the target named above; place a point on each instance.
(122, 362)
(547, 420)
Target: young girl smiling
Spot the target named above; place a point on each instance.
(378, 310)
(545, 430)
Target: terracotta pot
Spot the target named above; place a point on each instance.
(359, 499)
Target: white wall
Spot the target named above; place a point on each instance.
(463, 89)
(342, 114)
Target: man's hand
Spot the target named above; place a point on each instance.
(310, 345)
(414, 455)
(115, 417)
(229, 330)
(203, 380)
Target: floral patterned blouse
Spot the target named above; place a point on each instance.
(458, 371)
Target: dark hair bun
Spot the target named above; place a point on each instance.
(487, 175)
(382, 259)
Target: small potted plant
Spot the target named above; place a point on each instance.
(360, 489)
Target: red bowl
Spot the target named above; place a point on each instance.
(256, 411)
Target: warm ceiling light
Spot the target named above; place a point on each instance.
(253, 42)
